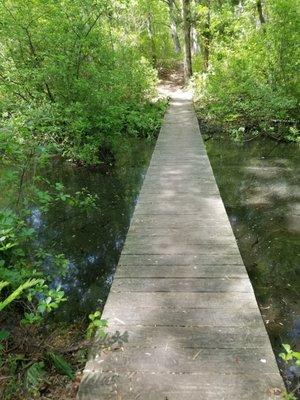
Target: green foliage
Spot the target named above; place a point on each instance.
(4, 335)
(17, 293)
(34, 376)
(61, 365)
(72, 76)
(289, 396)
(290, 355)
(151, 24)
(96, 326)
(252, 80)
(146, 120)
(292, 134)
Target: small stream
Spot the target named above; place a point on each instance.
(259, 182)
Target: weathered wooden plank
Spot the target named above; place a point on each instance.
(180, 238)
(177, 170)
(204, 208)
(184, 209)
(184, 271)
(194, 179)
(167, 316)
(179, 198)
(185, 360)
(208, 231)
(184, 222)
(180, 259)
(182, 285)
(171, 195)
(181, 191)
(200, 233)
(171, 161)
(173, 181)
(164, 386)
(179, 248)
(185, 300)
(195, 337)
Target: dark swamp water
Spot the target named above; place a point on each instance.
(92, 241)
(259, 182)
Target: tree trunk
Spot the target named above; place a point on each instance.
(206, 41)
(195, 42)
(151, 34)
(262, 19)
(187, 39)
(174, 33)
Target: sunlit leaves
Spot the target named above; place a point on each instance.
(290, 355)
(253, 71)
(17, 292)
(96, 325)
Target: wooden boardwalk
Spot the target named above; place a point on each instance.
(181, 292)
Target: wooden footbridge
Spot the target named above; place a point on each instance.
(181, 293)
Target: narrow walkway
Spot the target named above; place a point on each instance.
(181, 292)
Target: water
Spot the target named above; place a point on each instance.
(92, 242)
(259, 184)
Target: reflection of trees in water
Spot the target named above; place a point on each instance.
(93, 240)
(257, 182)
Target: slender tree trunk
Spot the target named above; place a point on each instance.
(206, 41)
(186, 11)
(195, 42)
(205, 35)
(261, 16)
(152, 38)
(174, 33)
(175, 38)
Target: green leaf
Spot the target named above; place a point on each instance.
(34, 374)
(4, 335)
(296, 355)
(95, 315)
(61, 365)
(17, 293)
(286, 347)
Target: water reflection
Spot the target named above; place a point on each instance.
(259, 184)
(92, 242)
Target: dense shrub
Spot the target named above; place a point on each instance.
(252, 80)
(74, 74)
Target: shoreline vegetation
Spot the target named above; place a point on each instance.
(77, 82)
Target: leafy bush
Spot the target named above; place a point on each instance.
(73, 77)
(252, 81)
